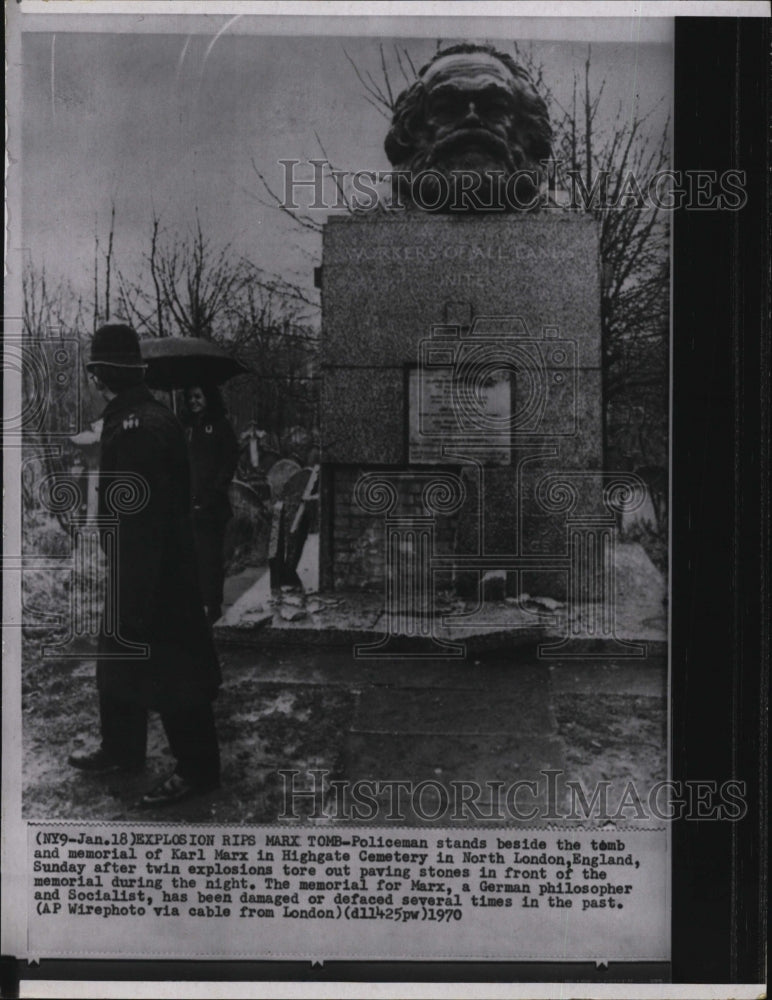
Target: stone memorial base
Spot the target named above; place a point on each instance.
(465, 350)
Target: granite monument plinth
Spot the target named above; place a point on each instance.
(466, 343)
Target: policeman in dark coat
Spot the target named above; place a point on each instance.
(155, 648)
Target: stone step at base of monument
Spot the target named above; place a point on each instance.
(458, 645)
(338, 619)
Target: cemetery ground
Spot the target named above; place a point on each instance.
(503, 715)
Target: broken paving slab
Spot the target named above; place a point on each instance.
(490, 626)
(505, 614)
(342, 618)
(253, 608)
(356, 614)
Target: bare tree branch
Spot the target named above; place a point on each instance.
(109, 260)
(277, 202)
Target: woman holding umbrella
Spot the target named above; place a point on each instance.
(199, 366)
(214, 454)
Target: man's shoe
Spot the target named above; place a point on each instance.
(98, 762)
(174, 789)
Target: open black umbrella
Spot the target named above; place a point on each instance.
(178, 362)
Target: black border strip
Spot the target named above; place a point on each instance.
(720, 483)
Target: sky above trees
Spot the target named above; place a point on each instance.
(172, 123)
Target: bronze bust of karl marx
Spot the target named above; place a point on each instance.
(471, 133)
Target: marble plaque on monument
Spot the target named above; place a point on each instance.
(451, 422)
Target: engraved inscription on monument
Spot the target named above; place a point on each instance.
(437, 428)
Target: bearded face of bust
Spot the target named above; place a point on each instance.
(469, 112)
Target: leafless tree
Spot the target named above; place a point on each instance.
(101, 310)
(54, 385)
(191, 286)
(273, 329)
(608, 170)
(194, 281)
(382, 92)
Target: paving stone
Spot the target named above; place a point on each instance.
(443, 760)
(518, 705)
(637, 677)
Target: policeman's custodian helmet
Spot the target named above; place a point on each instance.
(116, 344)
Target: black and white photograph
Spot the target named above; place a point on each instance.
(343, 434)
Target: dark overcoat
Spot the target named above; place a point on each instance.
(153, 596)
(214, 455)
